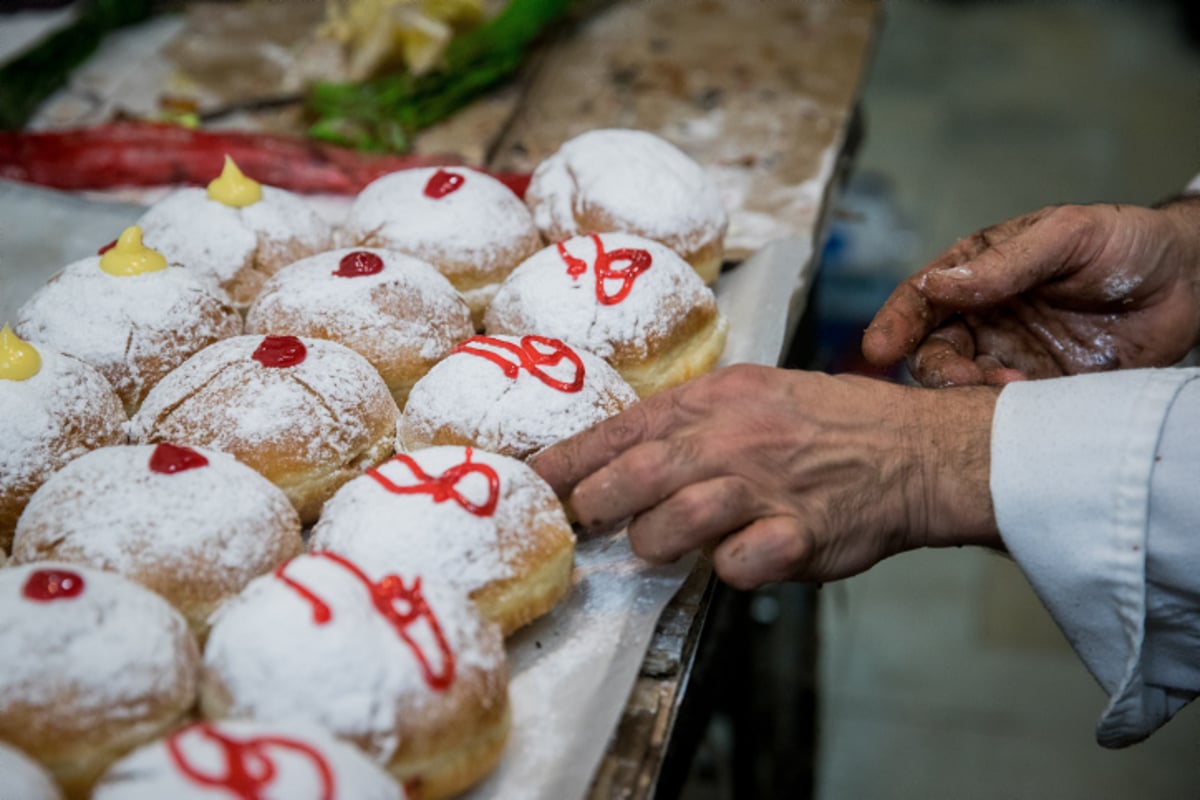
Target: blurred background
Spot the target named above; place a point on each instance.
(938, 674)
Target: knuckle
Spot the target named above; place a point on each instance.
(626, 429)
(1074, 220)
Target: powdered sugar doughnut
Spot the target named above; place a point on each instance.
(629, 300)
(466, 223)
(58, 414)
(511, 395)
(403, 667)
(632, 181)
(24, 778)
(248, 759)
(93, 666)
(307, 414)
(485, 523)
(235, 249)
(133, 328)
(193, 525)
(397, 311)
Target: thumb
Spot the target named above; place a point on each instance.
(1043, 252)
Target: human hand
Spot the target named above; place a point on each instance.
(1061, 291)
(785, 474)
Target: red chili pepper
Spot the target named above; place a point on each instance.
(134, 153)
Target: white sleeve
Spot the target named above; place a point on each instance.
(1096, 485)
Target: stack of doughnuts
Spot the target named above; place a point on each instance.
(157, 465)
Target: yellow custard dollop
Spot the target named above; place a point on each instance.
(19, 360)
(234, 189)
(130, 257)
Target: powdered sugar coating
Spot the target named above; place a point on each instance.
(309, 413)
(353, 675)
(217, 525)
(115, 652)
(151, 773)
(403, 319)
(443, 540)
(23, 778)
(542, 297)
(468, 399)
(474, 235)
(632, 180)
(219, 242)
(134, 329)
(57, 415)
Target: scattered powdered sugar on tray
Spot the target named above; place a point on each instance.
(352, 674)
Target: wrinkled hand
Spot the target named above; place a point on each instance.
(788, 475)
(1061, 291)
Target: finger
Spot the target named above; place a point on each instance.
(641, 478)
(903, 321)
(566, 463)
(693, 517)
(1035, 255)
(947, 358)
(767, 550)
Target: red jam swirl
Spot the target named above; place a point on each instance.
(444, 487)
(385, 595)
(106, 247)
(249, 770)
(168, 459)
(44, 585)
(637, 260)
(528, 357)
(358, 264)
(443, 183)
(280, 351)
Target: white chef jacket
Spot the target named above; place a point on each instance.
(1096, 485)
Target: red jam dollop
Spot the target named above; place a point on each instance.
(168, 459)
(445, 486)
(106, 247)
(443, 183)
(528, 356)
(402, 606)
(44, 585)
(358, 264)
(280, 351)
(636, 259)
(248, 768)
